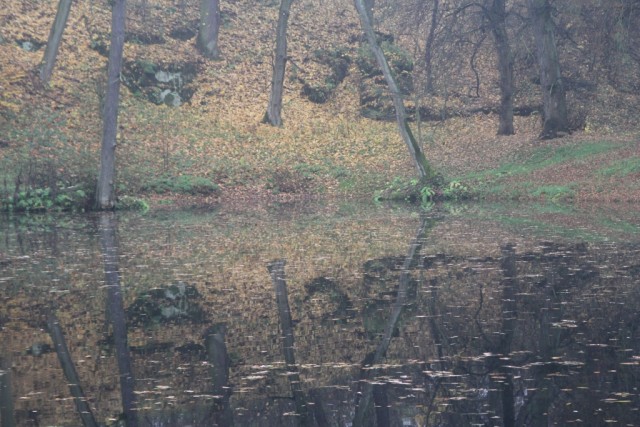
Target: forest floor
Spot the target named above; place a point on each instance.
(213, 149)
(580, 168)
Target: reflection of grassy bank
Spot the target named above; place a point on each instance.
(556, 220)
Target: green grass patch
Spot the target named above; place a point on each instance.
(621, 226)
(553, 192)
(545, 157)
(621, 168)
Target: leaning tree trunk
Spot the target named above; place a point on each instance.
(274, 109)
(53, 43)
(420, 161)
(369, 5)
(497, 17)
(105, 192)
(207, 41)
(556, 121)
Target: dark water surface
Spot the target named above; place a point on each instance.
(322, 315)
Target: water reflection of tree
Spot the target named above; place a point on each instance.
(117, 317)
(276, 269)
(68, 367)
(218, 358)
(474, 347)
(6, 394)
(368, 386)
(526, 344)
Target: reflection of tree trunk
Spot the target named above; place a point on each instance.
(365, 388)
(6, 394)
(438, 342)
(542, 395)
(218, 359)
(117, 315)
(509, 316)
(276, 269)
(381, 403)
(57, 336)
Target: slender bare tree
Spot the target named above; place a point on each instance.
(105, 192)
(273, 115)
(420, 161)
(497, 16)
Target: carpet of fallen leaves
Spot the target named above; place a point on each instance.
(325, 150)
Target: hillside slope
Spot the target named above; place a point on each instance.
(215, 140)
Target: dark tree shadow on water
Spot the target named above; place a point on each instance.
(117, 316)
(69, 369)
(218, 358)
(368, 388)
(6, 394)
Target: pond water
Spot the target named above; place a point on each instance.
(347, 315)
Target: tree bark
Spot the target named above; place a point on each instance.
(497, 17)
(274, 109)
(555, 118)
(207, 41)
(105, 192)
(53, 43)
(369, 5)
(420, 161)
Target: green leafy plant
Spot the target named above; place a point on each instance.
(43, 199)
(455, 190)
(132, 204)
(427, 194)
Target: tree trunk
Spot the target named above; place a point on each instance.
(420, 161)
(273, 114)
(556, 121)
(207, 41)
(428, 50)
(369, 5)
(53, 43)
(497, 17)
(105, 192)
